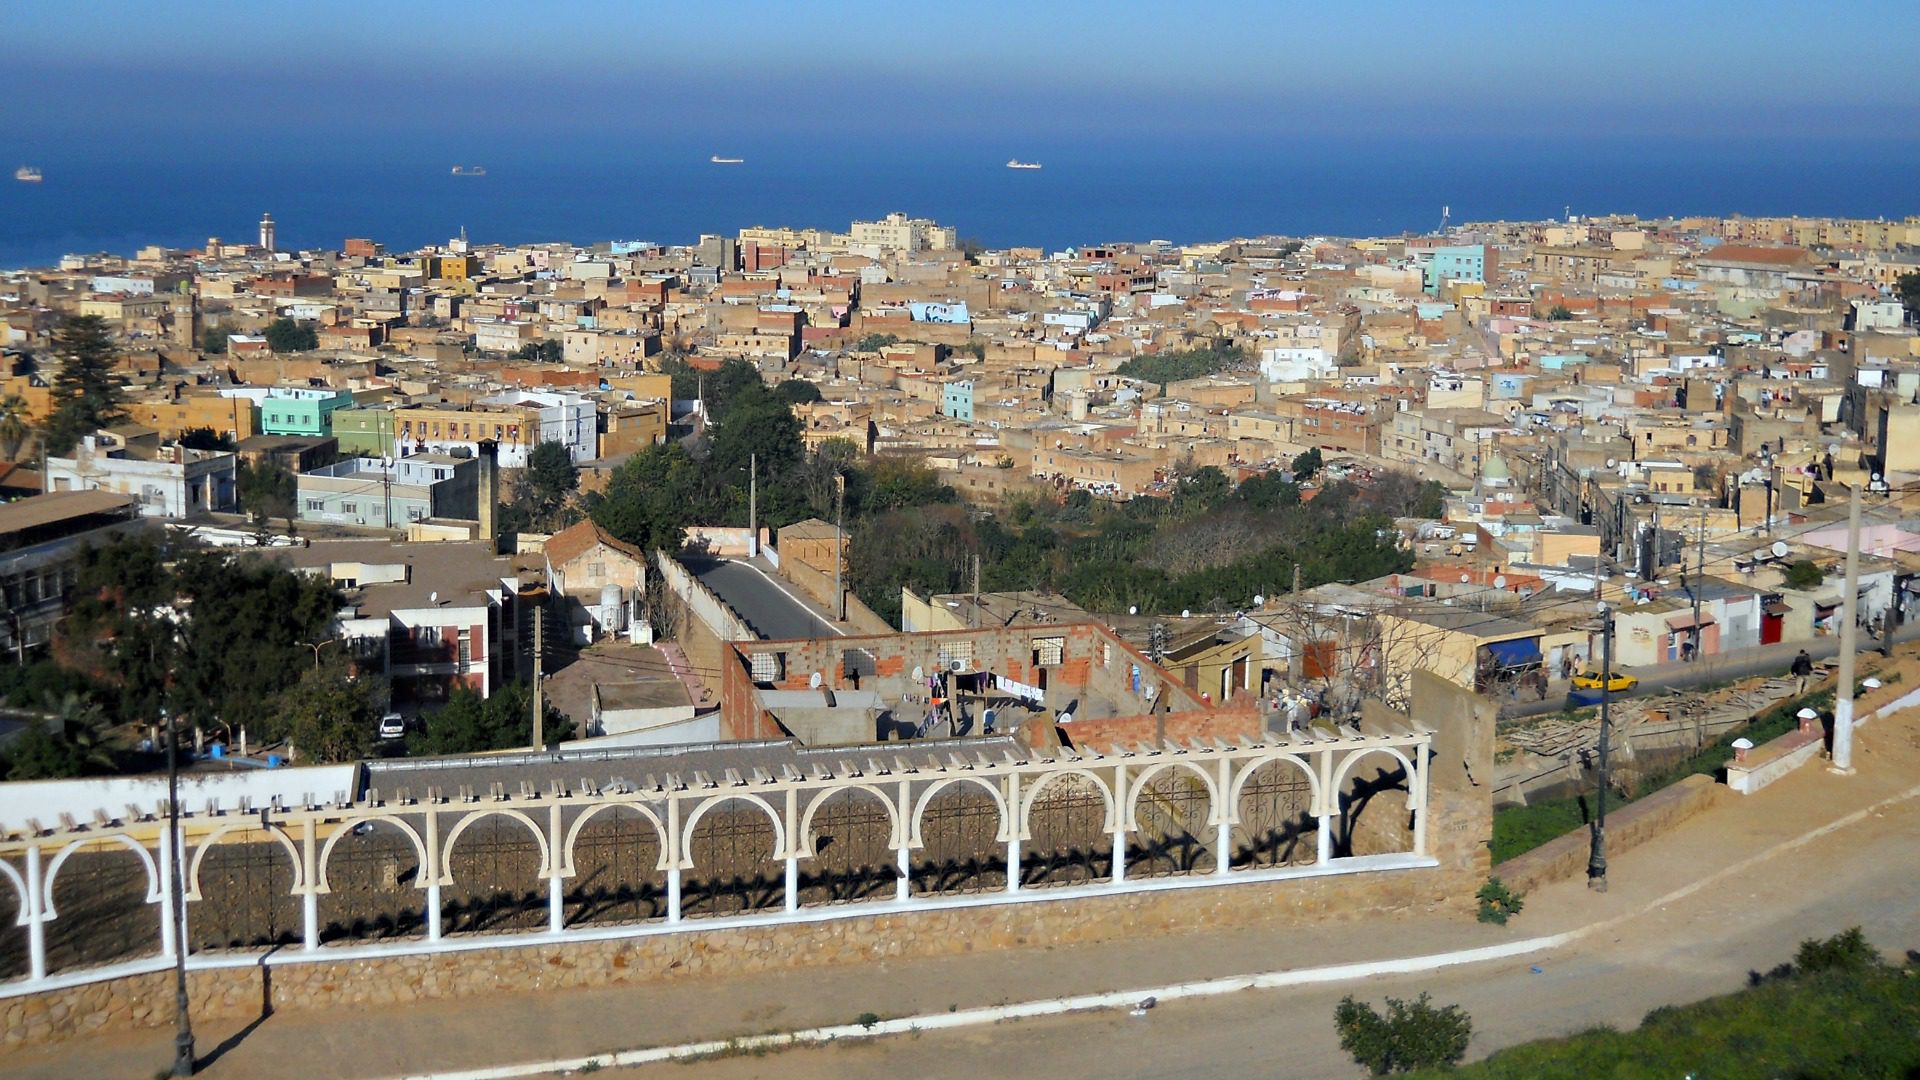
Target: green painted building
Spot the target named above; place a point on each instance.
(366, 432)
(302, 412)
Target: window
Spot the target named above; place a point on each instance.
(349, 508)
(316, 504)
(597, 569)
(956, 652)
(1049, 650)
(767, 666)
(466, 645)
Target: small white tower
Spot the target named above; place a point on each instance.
(266, 233)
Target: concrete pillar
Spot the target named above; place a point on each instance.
(793, 883)
(1223, 847)
(1119, 856)
(36, 917)
(556, 904)
(1419, 794)
(1325, 848)
(433, 911)
(903, 882)
(1013, 865)
(673, 895)
(310, 919)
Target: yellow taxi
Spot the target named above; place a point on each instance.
(1592, 680)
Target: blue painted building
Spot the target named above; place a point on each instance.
(956, 400)
(1464, 263)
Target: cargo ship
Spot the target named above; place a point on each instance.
(1016, 163)
(27, 174)
(469, 170)
(718, 160)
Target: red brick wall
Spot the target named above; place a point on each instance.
(1129, 731)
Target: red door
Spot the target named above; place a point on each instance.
(1771, 627)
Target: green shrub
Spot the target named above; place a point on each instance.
(867, 1020)
(1845, 951)
(1497, 902)
(1413, 1035)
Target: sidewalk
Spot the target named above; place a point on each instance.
(509, 1028)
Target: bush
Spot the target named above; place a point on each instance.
(1413, 1035)
(1845, 951)
(1497, 902)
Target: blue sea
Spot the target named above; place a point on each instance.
(117, 198)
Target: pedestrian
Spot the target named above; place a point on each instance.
(1540, 683)
(1802, 669)
(1566, 665)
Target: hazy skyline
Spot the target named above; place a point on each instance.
(115, 71)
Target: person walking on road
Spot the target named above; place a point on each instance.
(1802, 669)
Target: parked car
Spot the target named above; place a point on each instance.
(393, 726)
(1592, 680)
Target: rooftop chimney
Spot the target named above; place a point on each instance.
(489, 487)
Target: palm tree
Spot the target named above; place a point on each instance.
(13, 424)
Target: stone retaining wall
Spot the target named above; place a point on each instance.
(146, 1000)
(1628, 827)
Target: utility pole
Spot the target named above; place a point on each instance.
(539, 696)
(1597, 850)
(839, 541)
(974, 619)
(753, 504)
(1699, 579)
(1849, 616)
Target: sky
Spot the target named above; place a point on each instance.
(135, 77)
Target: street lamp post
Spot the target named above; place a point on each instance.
(1597, 853)
(316, 646)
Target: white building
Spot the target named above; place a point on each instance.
(169, 481)
(569, 419)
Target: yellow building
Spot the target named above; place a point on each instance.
(233, 417)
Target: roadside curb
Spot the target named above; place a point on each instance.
(1120, 999)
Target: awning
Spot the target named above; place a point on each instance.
(1516, 653)
(1685, 622)
(1778, 608)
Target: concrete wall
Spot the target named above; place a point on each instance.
(1628, 827)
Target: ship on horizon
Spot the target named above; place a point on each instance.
(469, 170)
(27, 174)
(1016, 163)
(718, 160)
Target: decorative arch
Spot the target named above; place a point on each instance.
(146, 860)
(915, 837)
(345, 829)
(1033, 794)
(1139, 785)
(693, 819)
(1346, 765)
(803, 839)
(206, 844)
(573, 832)
(19, 891)
(453, 837)
(1315, 798)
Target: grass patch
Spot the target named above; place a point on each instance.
(1845, 1020)
(1519, 829)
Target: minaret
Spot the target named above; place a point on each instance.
(266, 233)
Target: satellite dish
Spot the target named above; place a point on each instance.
(1465, 578)
(1877, 478)
(1186, 613)
(814, 680)
(433, 598)
(1611, 463)
(956, 666)
(1500, 581)
(1779, 549)
(1259, 600)
(1132, 609)
(919, 674)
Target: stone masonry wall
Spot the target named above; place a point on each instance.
(146, 1000)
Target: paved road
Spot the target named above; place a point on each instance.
(1699, 947)
(1765, 660)
(770, 609)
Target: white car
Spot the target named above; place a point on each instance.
(393, 726)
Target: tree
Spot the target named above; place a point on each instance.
(797, 392)
(1908, 288)
(267, 491)
(717, 388)
(547, 350)
(1803, 575)
(875, 342)
(213, 339)
(205, 438)
(286, 335)
(1559, 313)
(70, 741)
(757, 425)
(470, 724)
(1167, 367)
(650, 498)
(13, 424)
(86, 393)
(1412, 1036)
(552, 476)
(328, 715)
(1305, 465)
